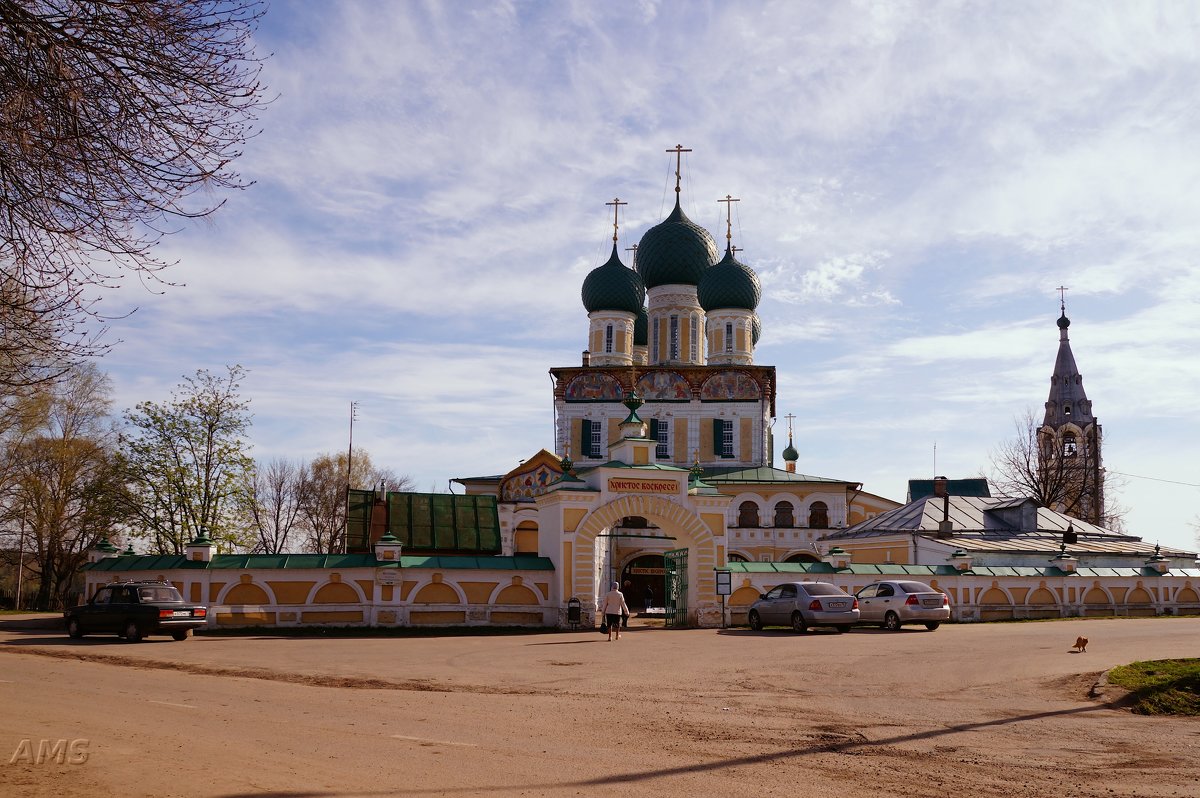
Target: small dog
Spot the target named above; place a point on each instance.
(1081, 644)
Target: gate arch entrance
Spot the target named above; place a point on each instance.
(681, 528)
(644, 576)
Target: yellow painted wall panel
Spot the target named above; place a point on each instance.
(567, 567)
(576, 437)
(406, 590)
(214, 590)
(746, 428)
(622, 342)
(517, 594)
(367, 586)
(436, 593)
(478, 592)
(387, 593)
(714, 521)
(330, 616)
(518, 618)
(706, 439)
(291, 592)
(336, 593)
(571, 518)
(247, 594)
(245, 618)
(196, 592)
(543, 588)
(680, 436)
(435, 618)
(993, 596)
(614, 433)
(526, 541)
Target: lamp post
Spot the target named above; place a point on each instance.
(20, 562)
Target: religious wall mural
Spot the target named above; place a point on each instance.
(730, 386)
(594, 387)
(664, 386)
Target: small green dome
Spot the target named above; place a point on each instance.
(729, 284)
(755, 329)
(641, 328)
(790, 454)
(676, 250)
(613, 287)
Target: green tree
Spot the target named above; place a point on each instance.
(118, 117)
(64, 485)
(186, 463)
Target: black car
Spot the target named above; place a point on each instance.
(135, 609)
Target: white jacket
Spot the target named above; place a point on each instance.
(614, 604)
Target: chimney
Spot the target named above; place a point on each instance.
(939, 487)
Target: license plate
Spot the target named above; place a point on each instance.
(835, 605)
(931, 603)
(182, 613)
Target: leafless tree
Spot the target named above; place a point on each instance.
(323, 502)
(274, 503)
(1029, 464)
(116, 118)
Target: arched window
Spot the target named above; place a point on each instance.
(728, 336)
(734, 557)
(674, 340)
(748, 514)
(801, 556)
(608, 338)
(1070, 446)
(818, 516)
(784, 516)
(693, 341)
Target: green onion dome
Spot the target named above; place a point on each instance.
(640, 328)
(613, 287)
(676, 250)
(790, 454)
(729, 284)
(755, 330)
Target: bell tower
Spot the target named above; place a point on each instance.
(1070, 466)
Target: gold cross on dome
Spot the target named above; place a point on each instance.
(1062, 297)
(679, 150)
(729, 215)
(616, 203)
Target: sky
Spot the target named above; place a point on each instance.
(915, 182)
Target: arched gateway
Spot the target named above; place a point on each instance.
(602, 545)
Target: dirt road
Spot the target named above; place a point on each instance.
(971, 710)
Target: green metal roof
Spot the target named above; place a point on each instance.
(729, 284)
(250, 562)
(612, 286)
(764, 474)
(676, 250)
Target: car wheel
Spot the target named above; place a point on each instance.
(891, 622)
(182, 634)
(755, 621)
(798, 623)
(74, 629)
(132, 633)
(933, 625)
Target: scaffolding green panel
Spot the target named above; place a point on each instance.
(444, 523)
(358, 518)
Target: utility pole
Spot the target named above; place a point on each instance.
(349, 458)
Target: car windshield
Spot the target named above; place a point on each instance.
(822, 589)
(159, 594)
(915, 587)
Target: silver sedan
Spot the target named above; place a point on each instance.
(804, 604)
(892, 604)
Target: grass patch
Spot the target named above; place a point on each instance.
(1161, 687)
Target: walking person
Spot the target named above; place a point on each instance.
(613, 606)
(649, 597)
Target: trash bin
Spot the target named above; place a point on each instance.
(574, 613)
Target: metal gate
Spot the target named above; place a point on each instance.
(676, 589)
